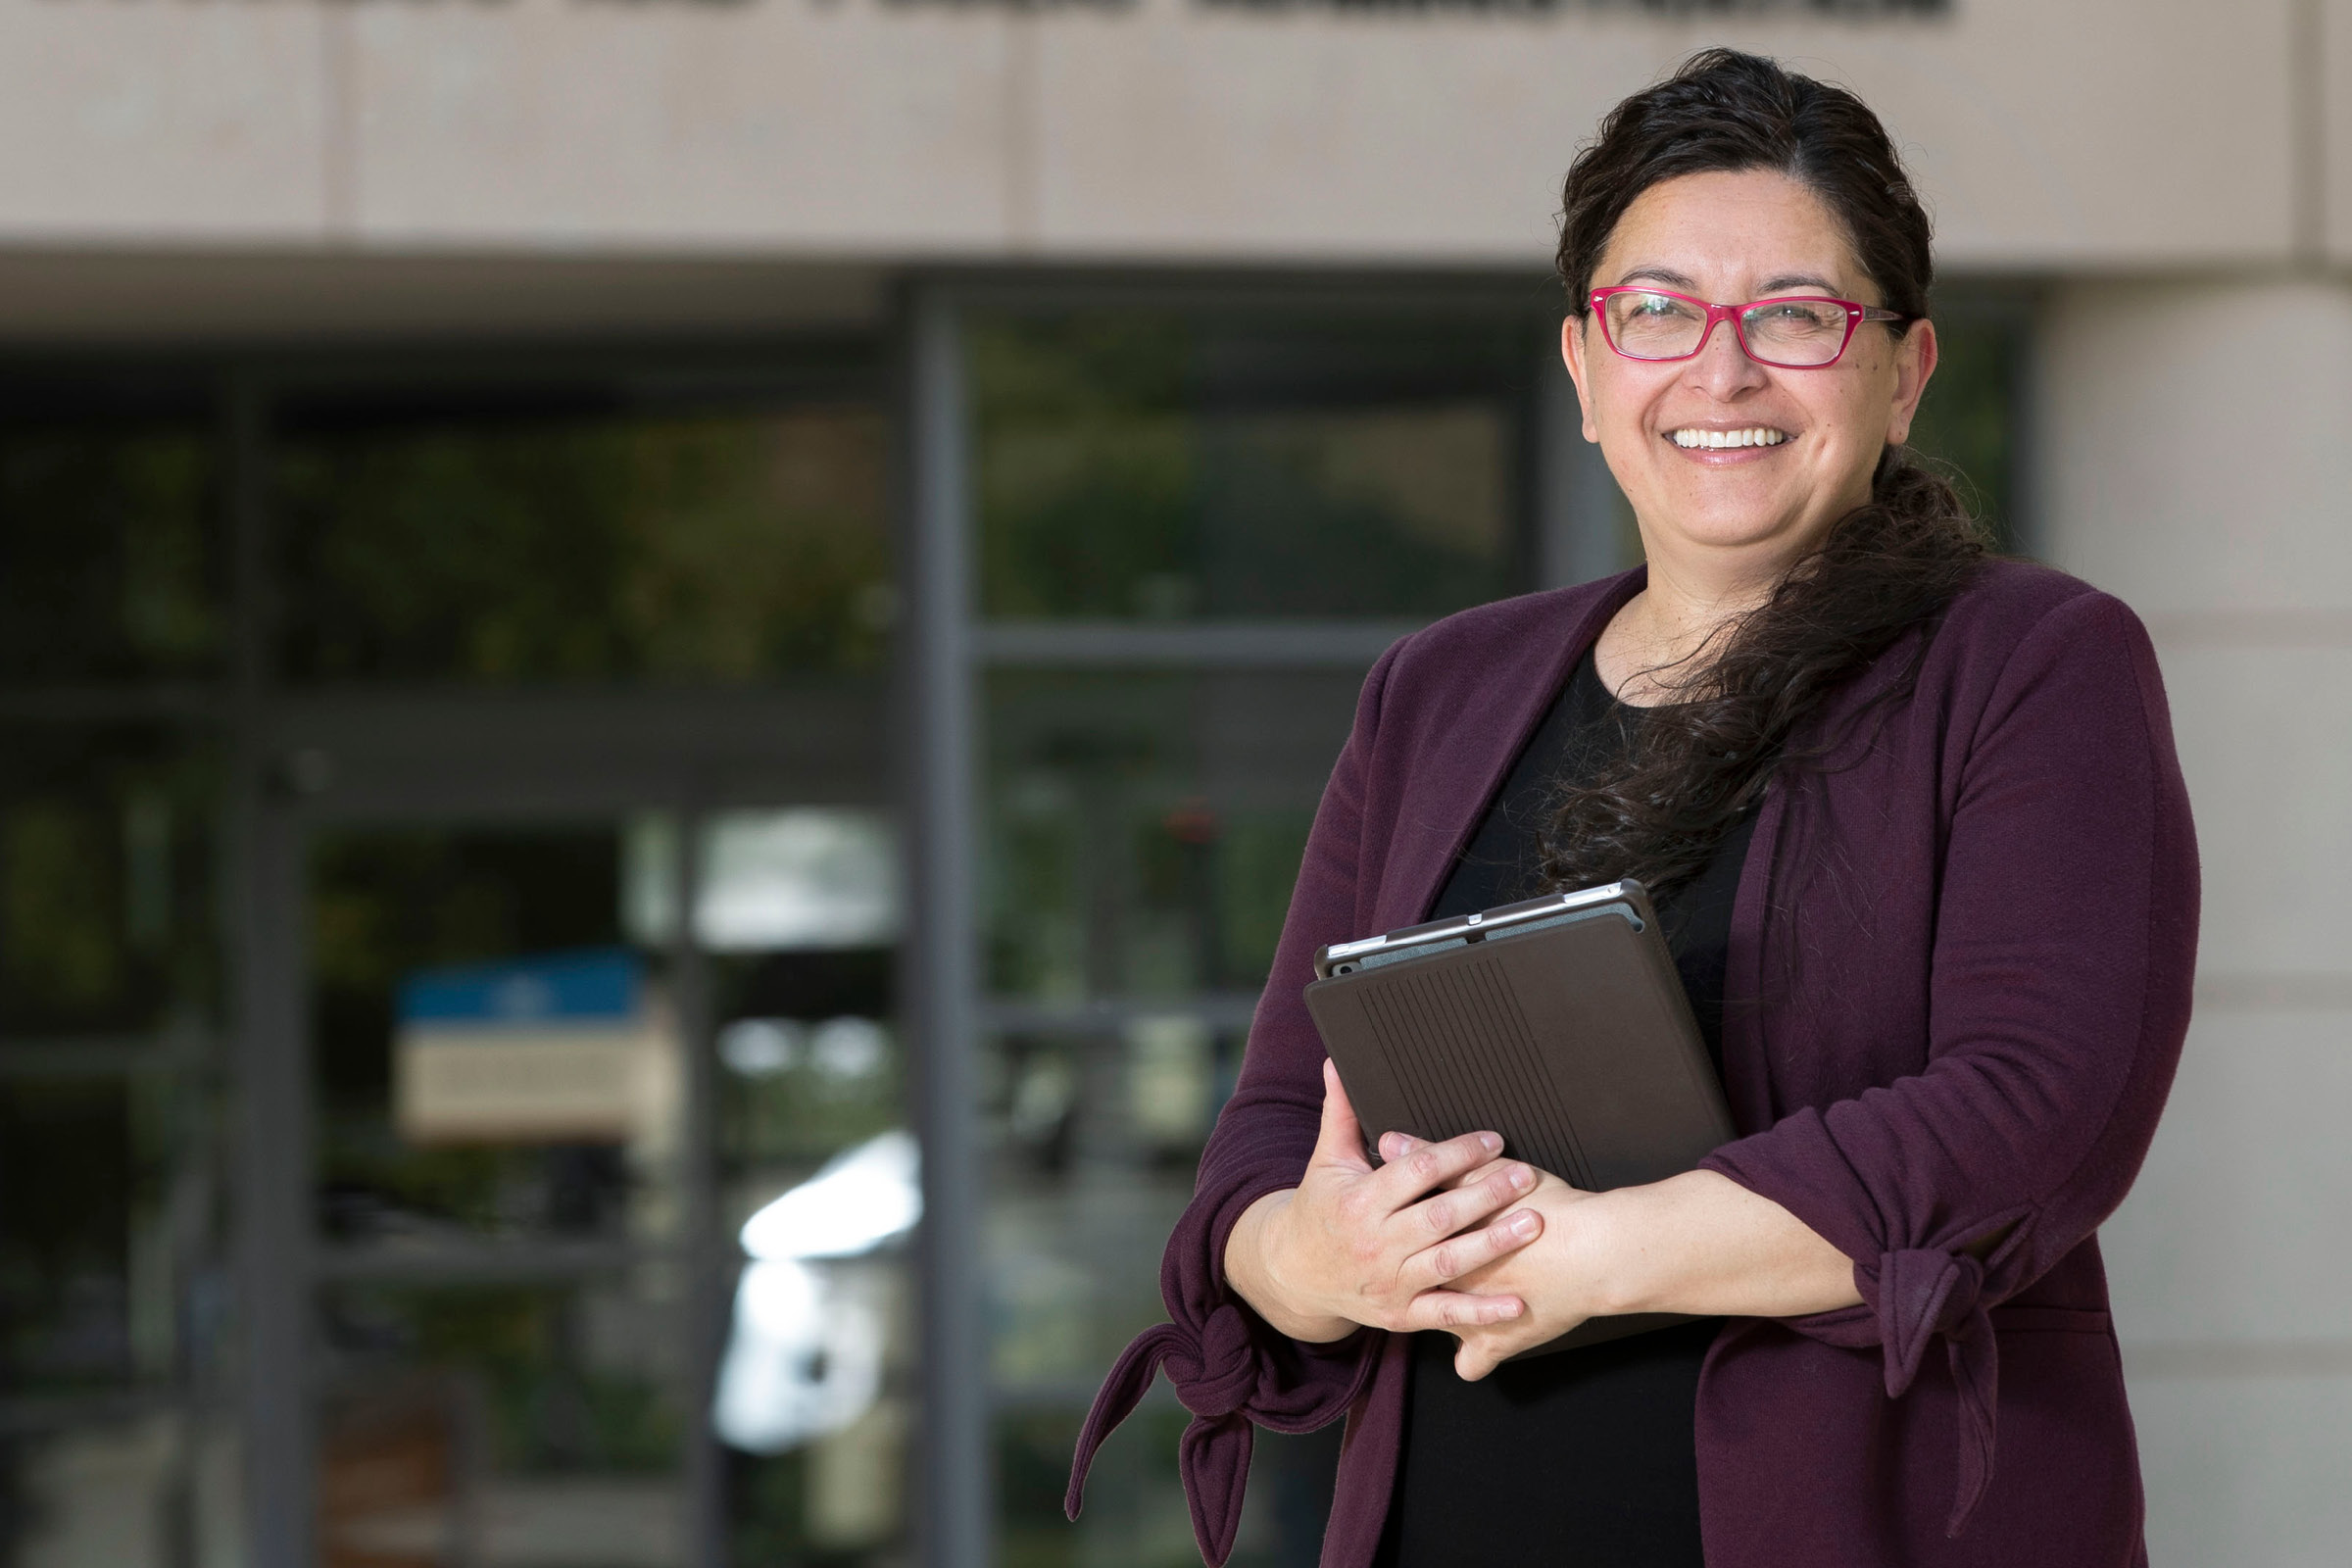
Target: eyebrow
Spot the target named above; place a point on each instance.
(1770, 286)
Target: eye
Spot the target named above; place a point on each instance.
(1642, 308)
(1795, 314)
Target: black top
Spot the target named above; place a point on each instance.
(1586, 1456)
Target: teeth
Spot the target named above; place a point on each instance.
(1757, 436)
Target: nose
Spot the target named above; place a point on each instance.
(1721, 368)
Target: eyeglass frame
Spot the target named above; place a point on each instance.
(1856, 313)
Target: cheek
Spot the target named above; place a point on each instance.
(1623, 396)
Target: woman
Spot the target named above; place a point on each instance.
(1927, 865)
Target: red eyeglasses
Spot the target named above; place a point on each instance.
(1802, 332)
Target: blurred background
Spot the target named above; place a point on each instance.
(662, 663)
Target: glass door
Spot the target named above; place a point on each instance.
(611, 1206)
(575, 746)
(503, 1320)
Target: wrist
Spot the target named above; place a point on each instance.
(1617, 1257)
(1254, 1250)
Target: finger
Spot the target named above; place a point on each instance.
(1483, 1349)
(1459, 1206)
(1433, 1165)
(1472, 1177)
(1340, 1140)
(1459, 1255)
(1458, 1310)
(1396, 1146)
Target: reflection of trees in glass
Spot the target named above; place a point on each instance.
(108, 563)
(569, 1376)
(64, 1272)
(1114, 482)
(1135, 1509)
(804, 1112)
(723, 546)
(106, 896)
(1967, 420)
(1258, 862)
(1144, 833)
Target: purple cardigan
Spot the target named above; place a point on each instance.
(1960, 969)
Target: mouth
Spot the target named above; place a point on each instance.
(1694, 438)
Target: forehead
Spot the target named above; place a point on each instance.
(1730, 233)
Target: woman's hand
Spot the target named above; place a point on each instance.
(1697, 1244)
(1350, 1245)
(1557, 1279)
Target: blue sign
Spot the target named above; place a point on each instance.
(598, 986)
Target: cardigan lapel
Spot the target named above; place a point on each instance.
(1746, 1084)
(1498, 708)
(1750, 1010)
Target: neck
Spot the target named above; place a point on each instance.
(1690, 598)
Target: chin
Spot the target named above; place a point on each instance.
(1743, 528)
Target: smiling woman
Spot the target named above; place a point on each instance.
(1923, 855)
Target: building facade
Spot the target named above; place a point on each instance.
(664, 660)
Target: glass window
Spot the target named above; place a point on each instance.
(111, 561)
(1143, 830)
(109, 981)
(1165, 466)
(492, 1058)
(720, 545)
(145, 1491)
(1143, 827)
(817, 1388)
(505, 1423)
(1968, 422)
(107, 891)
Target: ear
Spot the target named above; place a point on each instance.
(1572, 354)
(1914, 361)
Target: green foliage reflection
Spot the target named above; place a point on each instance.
(109, 557)
(564, 1387)
(1968, 419)
(1117, 478)
(724, 548)
(105, 894)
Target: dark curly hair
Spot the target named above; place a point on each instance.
(1697, 764)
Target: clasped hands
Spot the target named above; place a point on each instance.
(1442, 1236)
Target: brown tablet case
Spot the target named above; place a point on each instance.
(1574, 1041)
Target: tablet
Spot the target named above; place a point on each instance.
(1559, 1022)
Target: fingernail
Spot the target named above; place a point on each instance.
(1522, 1178)
(1488, 1142)
(1522, 1223)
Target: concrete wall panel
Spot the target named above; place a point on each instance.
(769, 125)
(2331, 76)
(2245, 1470)
(2044, 135)
(2091, 135)
(2233, 1234)
(124, 122)
(2192, 447)
(2268, 757)
(1180, 129)
(2082, 136)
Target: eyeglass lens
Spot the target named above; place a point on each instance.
(1660, 326)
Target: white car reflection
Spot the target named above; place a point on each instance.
(804, 1357)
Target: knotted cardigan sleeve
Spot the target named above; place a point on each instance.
(2062, 959)
(1229, 1367)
